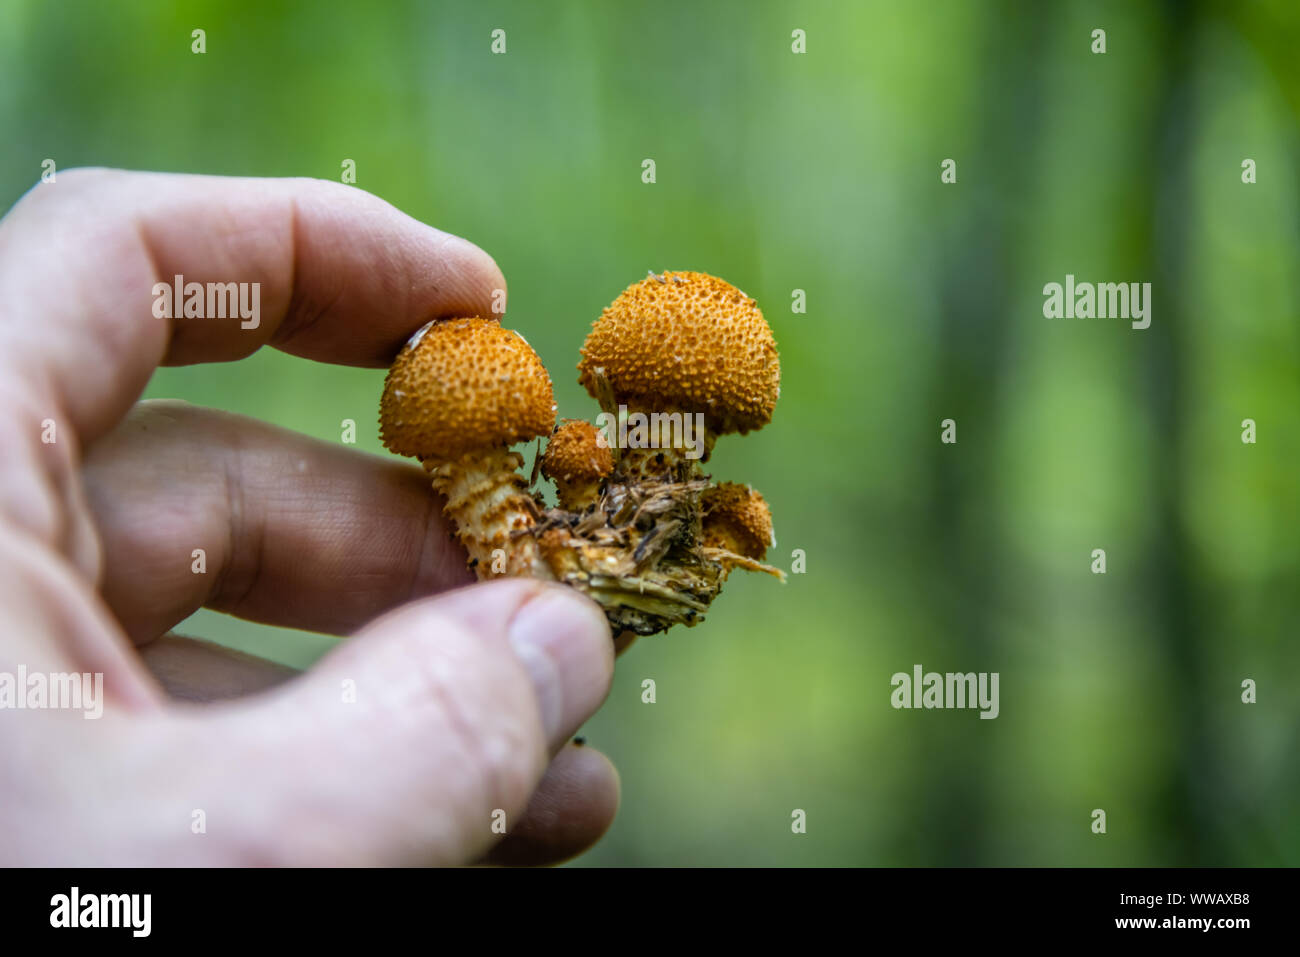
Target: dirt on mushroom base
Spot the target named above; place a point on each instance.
(639, 553)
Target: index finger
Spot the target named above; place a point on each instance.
(337, 275)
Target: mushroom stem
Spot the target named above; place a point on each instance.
(660, 443)
(579, 496)
(494, 517)
(670, 463)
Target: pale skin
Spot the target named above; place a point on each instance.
(466, 695)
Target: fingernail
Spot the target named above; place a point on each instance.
(564, 643)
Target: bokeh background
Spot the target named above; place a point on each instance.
(821, 172)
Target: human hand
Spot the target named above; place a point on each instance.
(464, 703)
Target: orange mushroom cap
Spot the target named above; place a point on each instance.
(689, 341)
(464, 384)
(737, 518)
(577, 452)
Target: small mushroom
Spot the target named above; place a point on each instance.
(577, 459)
(459, 394)
(689, 343)
(736, 519)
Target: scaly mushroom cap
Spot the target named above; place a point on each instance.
(577, 452)
(738, 519)
(686, 341)
(464, 384)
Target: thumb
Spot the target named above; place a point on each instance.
(421, 739)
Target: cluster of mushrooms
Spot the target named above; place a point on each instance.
(638, 526)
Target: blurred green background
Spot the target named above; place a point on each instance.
(821, 171)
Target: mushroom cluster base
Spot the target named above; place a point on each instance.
(638, 552)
